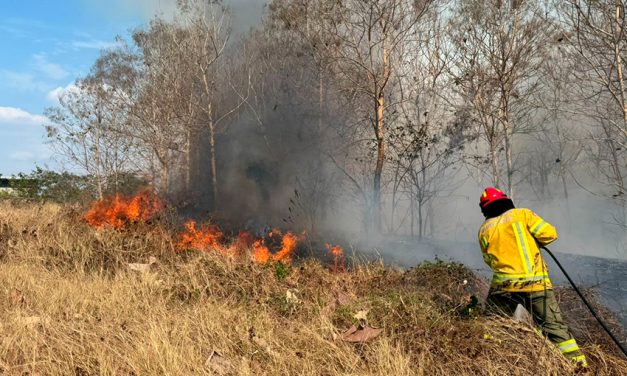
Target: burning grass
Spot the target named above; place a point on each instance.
(118, 211)
(337, 253)
(70, 304)
(208, 237)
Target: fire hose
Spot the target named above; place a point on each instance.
(585, 301)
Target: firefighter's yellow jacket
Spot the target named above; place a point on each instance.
(508, 244)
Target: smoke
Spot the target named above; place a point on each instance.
(278, 174)
(246, 13)
(142, 9)
(274, 167)
(586, 224)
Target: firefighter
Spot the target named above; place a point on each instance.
(509, 240)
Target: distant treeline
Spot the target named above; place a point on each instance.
(64, 187)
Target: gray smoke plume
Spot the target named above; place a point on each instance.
(246, 13)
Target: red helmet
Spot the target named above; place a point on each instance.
(490, 195)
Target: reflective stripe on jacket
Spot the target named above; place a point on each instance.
(508, 244)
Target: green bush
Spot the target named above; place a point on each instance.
(66, 187)
(51, 186)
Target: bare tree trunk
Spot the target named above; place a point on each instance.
(214, 170)
(396, 185)
(188, 161)
(495, 163)
(421, 202)
(413, 209)
(618, 176)
(99, 184)
(431, 216)
(320, 99)
(560, 156)
(420, 220)
(509, 159)
(165, 178)
(376, 201)
(380, 135)
(619, 63)
(619, 72)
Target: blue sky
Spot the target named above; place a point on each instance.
(46, 45)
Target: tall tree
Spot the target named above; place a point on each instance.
(500, 47)
(595, 38)
(366, 43)
(83, 132)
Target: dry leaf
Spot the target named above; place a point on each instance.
(143, 267)
(365, 334)
(344, 298)
(291, 297)
(139, 267)
(218, 364)
(361, 315)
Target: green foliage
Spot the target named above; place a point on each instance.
(280, 303)
(437, 263)
(427, 264)
(343, 316)
(281, 271)
(128, 184)
(51, 186)
(65, 187)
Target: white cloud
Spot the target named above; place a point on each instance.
(52, 70)
(13, 115)
(55, 94)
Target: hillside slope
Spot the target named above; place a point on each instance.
(70, 304)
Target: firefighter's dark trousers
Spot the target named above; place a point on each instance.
(546, 315)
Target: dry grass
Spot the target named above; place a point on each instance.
(69, 305)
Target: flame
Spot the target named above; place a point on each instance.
(338, 257)
(288, 245)
(206, 237)
(245, 241)
(260, 253)
(201, 239)
(118, 211)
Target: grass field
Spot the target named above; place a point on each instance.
(71, 305)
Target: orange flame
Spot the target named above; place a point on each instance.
(260, 252)
(338, 257)
(201, 239)
(288, 245)
(245, 241)
(118, 211)
(208, 237)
